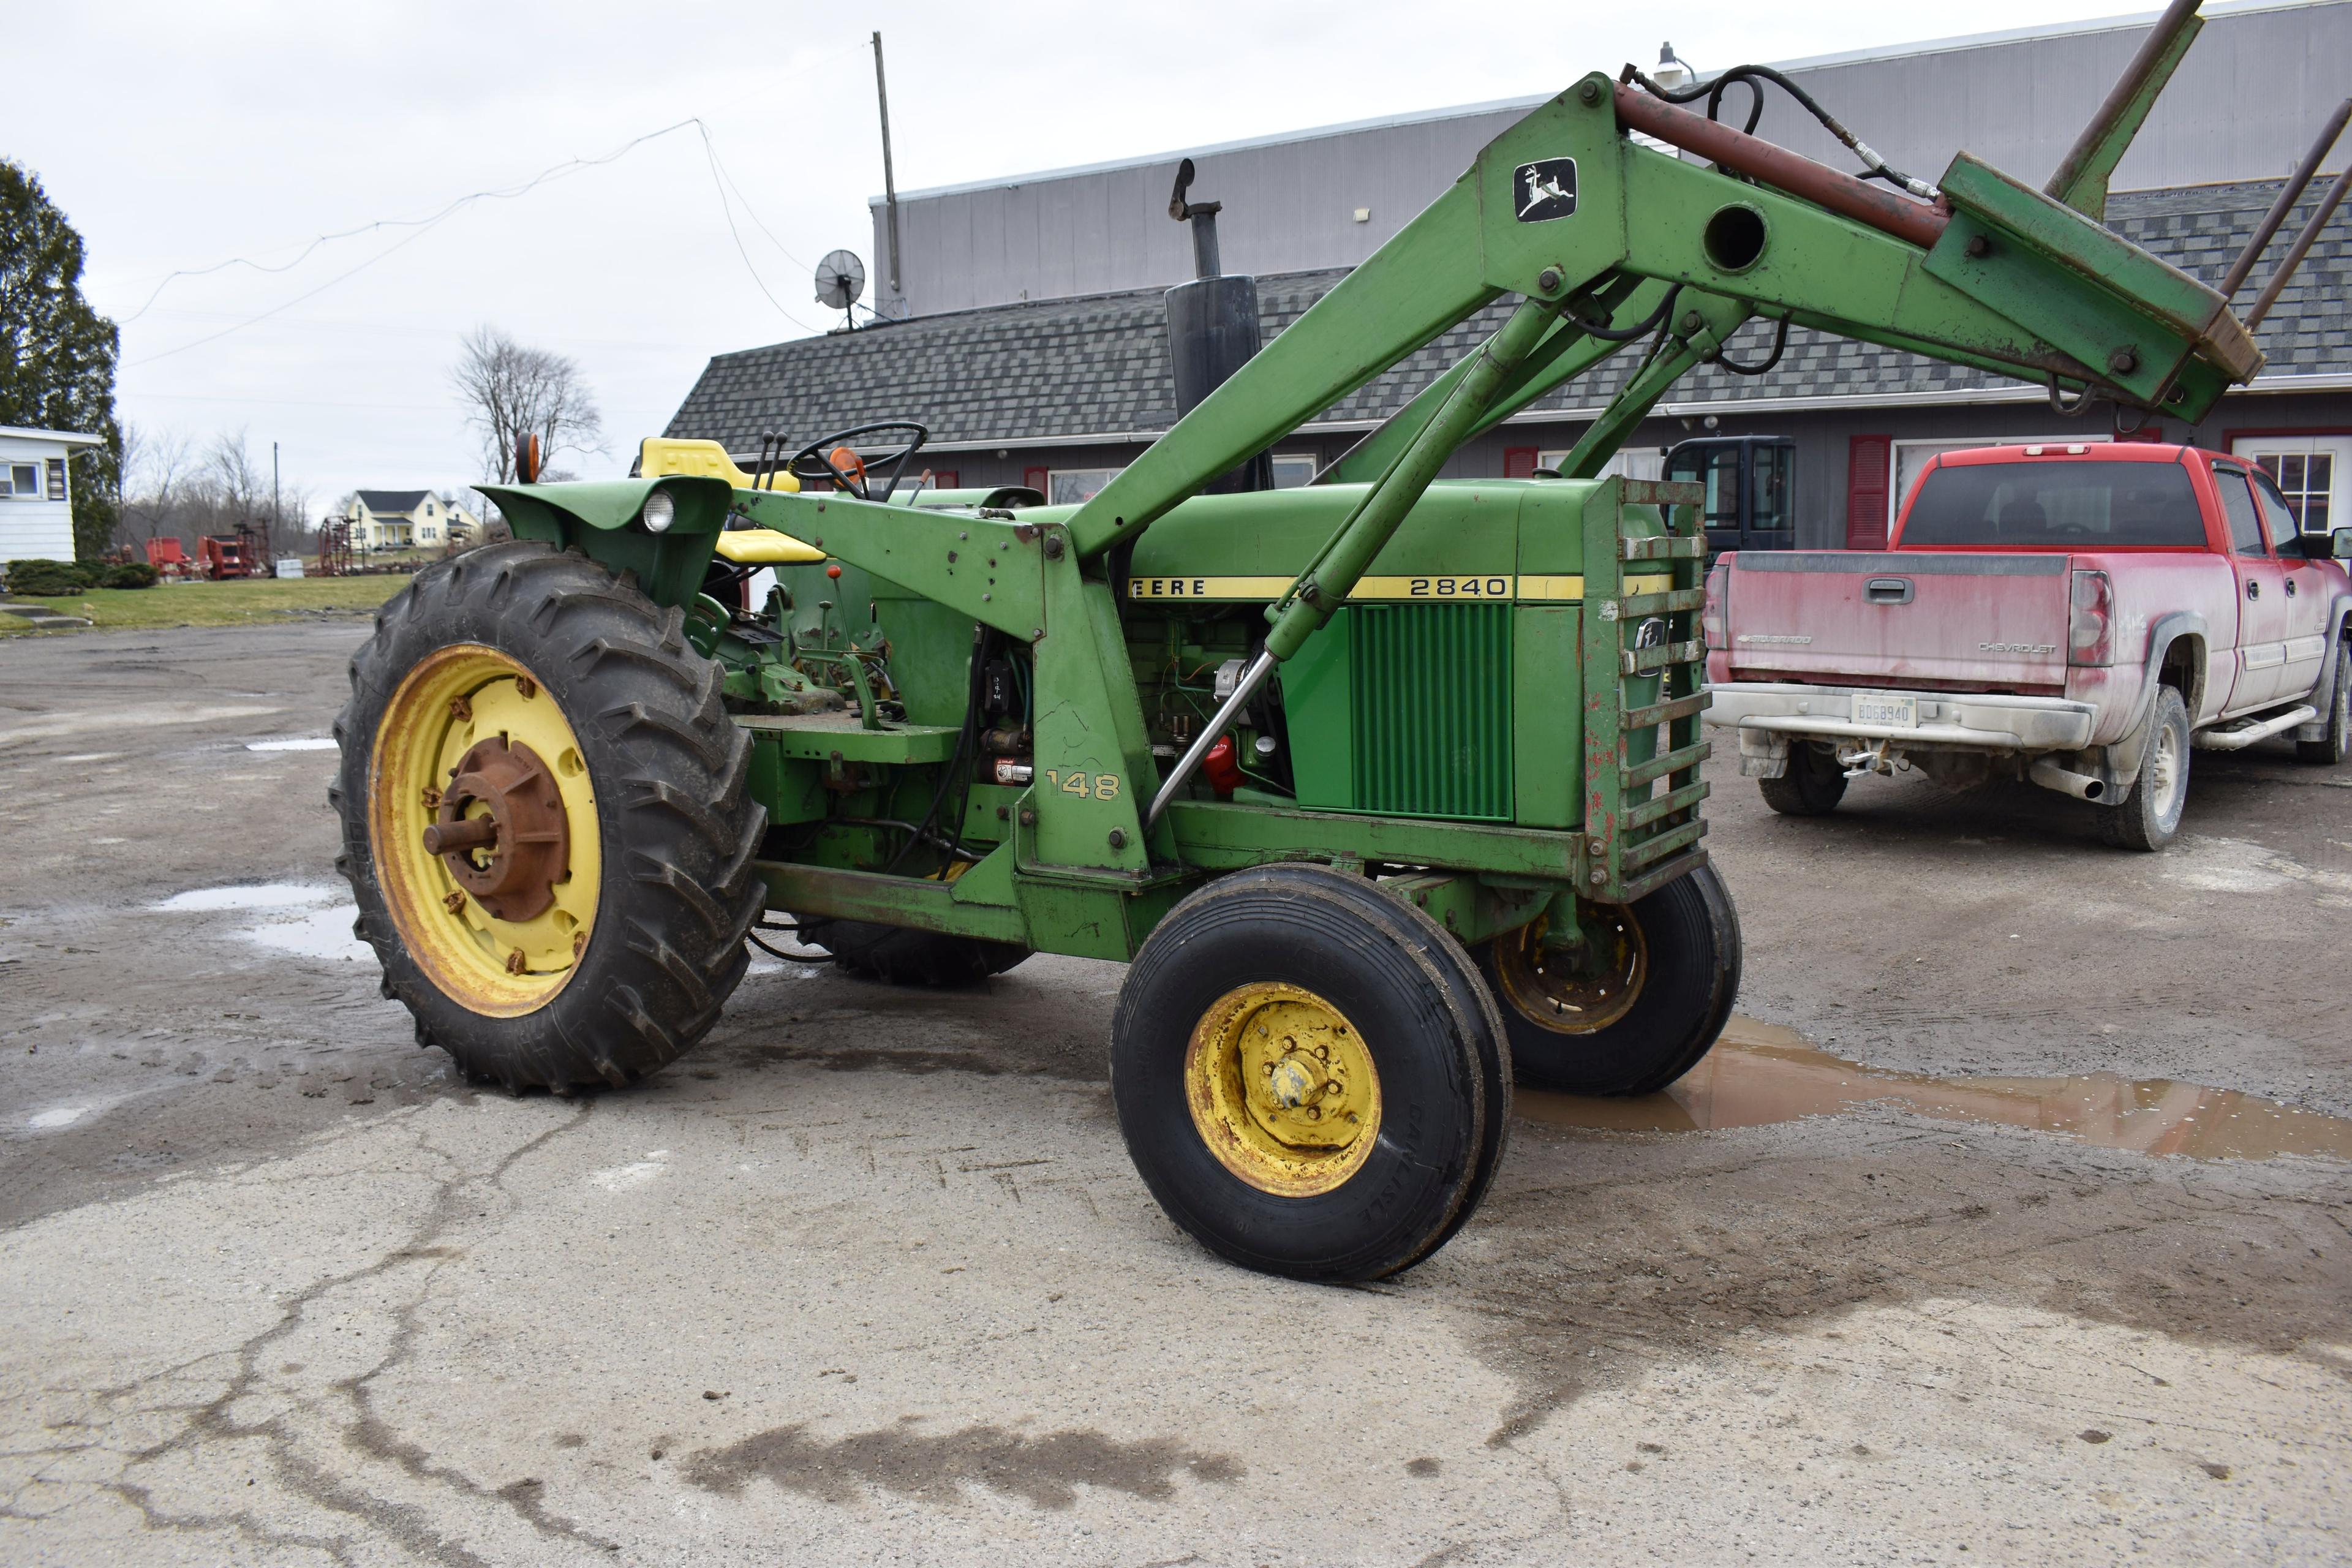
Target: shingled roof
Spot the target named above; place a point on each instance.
(392, 503)
(1062, 370)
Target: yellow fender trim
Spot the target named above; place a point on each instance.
(660, 455)
(766, 547)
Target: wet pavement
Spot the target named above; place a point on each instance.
(1758, 1075)
(2009, 1223)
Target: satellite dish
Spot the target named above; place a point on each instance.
(840, 279)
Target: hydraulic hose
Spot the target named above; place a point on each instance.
(1712, 91)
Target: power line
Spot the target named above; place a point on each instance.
(504, 192)
(721, 181)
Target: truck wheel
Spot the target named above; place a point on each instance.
(896, 956)
(1813, 786)
(2331, 750)
(1635, 1004)
(545, 819)
(2149, 818)
(1310, 1074)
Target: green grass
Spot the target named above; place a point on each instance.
(238, 604)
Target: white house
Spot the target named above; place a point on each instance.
(35, 504)
(406, 519)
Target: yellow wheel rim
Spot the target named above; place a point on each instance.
(1577, 990)
(450, 705)
(1283, 1089)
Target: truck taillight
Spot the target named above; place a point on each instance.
(2090, 620)
(1710, 616)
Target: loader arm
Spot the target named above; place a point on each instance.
(1994, 275)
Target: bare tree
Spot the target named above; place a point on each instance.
(512, 390)
(155, 475)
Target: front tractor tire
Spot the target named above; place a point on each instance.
(1310, 1074)
(545, 822)
(1630, 1008)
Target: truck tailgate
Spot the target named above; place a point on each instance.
(1900, 617)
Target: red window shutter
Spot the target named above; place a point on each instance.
(1869, 459)
(1034, 478)
(1519, 462)
(945, 479)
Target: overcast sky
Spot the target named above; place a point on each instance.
(178, 137)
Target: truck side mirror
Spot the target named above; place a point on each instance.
(2341, 544)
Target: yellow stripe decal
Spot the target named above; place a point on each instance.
(1432, 589)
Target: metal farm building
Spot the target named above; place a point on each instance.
(1027, 329)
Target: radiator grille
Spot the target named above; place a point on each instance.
(1432, 709)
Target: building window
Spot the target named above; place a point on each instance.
(1629, 463)
(1293, 471)
(1068, 487)
(24, 481)
(2313, 473)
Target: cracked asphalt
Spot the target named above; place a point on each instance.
(867, 1277)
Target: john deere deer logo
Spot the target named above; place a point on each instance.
(1544, 189)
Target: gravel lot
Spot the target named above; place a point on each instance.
(868, 1278)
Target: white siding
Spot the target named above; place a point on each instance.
(34, 530)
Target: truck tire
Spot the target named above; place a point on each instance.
(1250, 992)
(1636, 1016)
(2331, 749)
(2149, 818)
(596, 933)
(1813, 786)
(898, 956)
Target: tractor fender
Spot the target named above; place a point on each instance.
(2182, 626)
(604, 520)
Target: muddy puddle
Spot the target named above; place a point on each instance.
(1760, 1074)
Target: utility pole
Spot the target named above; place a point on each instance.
(889, 181)
(275, 520)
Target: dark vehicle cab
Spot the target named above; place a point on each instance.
(1749, 482)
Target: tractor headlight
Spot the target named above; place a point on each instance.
(660, 511)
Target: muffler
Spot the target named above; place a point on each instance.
(2050, 775)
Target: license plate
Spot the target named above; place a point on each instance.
(1888, 712)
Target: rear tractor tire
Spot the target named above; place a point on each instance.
(1633, 1006)
(1812, 785)
(544, 820)
(1310, 1074)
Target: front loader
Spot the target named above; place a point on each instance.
(1387, 789)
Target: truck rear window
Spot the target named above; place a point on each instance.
(2072, 505)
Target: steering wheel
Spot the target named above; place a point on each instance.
(817, 461)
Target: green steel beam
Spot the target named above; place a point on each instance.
(1326, 583)
(1700, 329)
(2080, 180)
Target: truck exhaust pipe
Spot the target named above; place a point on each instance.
(2050, 775)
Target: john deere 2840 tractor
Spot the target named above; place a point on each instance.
(1388, 789)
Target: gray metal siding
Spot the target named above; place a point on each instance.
(2243, 106)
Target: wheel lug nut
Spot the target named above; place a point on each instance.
(454, 904)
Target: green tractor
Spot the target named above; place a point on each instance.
(1388, 790)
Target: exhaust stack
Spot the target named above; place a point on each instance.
(1211, 327)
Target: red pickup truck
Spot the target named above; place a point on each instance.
(2078, 615)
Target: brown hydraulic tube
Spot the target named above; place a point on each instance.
(1798, 175)
(2292, 193)
(2295, 252)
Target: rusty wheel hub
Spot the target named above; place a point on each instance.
(511, 854)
